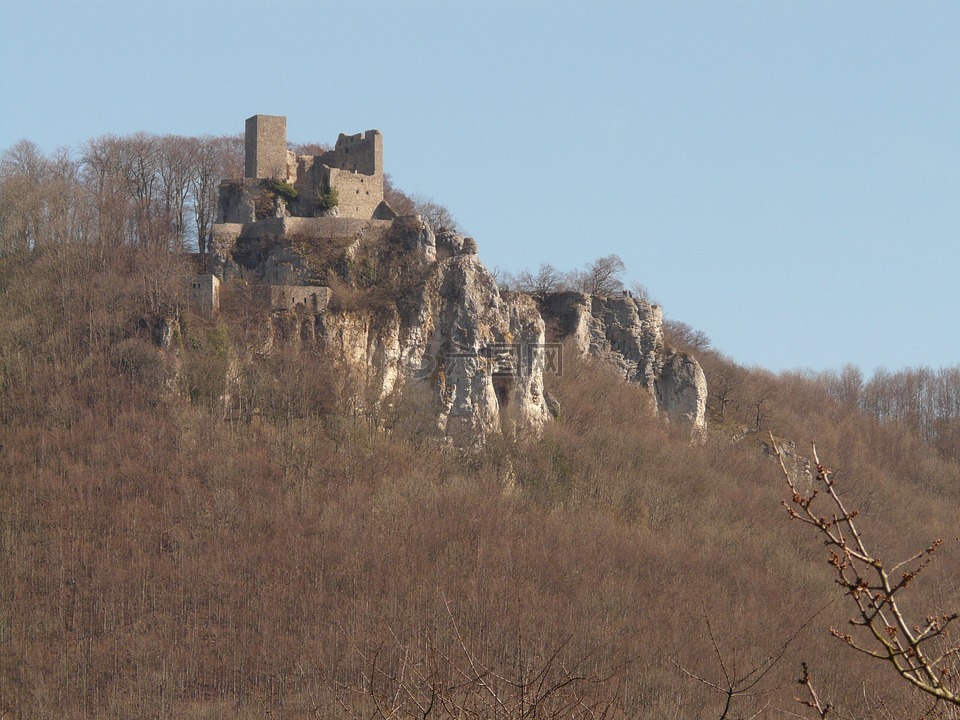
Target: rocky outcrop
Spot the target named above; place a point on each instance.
(627, 334)
(799, 469)
(443, 329)
(462, 346)
(681, 389)
(474, 352)
(397, 305)
(295, 250)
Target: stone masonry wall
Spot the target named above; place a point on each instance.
(354, 168)
(359, 195)
(265, 147)
(360, 153)
(293, 297)
(205, 293)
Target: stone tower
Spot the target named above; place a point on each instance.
(265, 147)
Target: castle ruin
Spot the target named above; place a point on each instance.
(332, 198)
(345, 182)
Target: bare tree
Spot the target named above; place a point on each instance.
(140, 155)
(422, 678)
(309, 148)
(761, 409)
(546, 280)
(104, 172)
(847, 385)
(724, 391)
(67, 208)
(681, 335)
(396, 198)
(215, 159)
(641, 291)
(735, 683)
(916, 644)
(601, 277)
(438, 217)
(22, 171)
(176, 166)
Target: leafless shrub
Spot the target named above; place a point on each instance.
(736, 683)
(436, 215)
(426, 678)
(680, 335)
(545, 281)
(141, 361)
(396, 198)
(600, 277)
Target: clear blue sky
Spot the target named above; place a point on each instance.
(781, 175)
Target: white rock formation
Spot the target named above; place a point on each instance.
(450, 333)
(464, 345)
(627, 333)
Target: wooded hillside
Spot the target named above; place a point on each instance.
(165, 555)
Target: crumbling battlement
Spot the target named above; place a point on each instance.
(360, 153)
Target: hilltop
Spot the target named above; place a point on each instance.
(410, 306)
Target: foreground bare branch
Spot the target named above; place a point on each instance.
(813, 699)
(919, 650)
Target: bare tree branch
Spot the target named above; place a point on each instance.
(888, 633)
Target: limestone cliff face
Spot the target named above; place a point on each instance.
(479, 343)
(460, 346)
(627, 334)
(449, 335)
(681, 389)
(445, 331)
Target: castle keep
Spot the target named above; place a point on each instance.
(265, 147)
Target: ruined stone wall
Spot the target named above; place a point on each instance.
(354, 168)
(360, 153)
(280, 229)
(359, 195)
(293, 297)
(329, 228)
(265, 147)
(224, 235)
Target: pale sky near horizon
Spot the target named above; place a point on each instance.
(781, 175)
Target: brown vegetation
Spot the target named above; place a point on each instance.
(141, 189)
(208, 531)
(602, 276)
